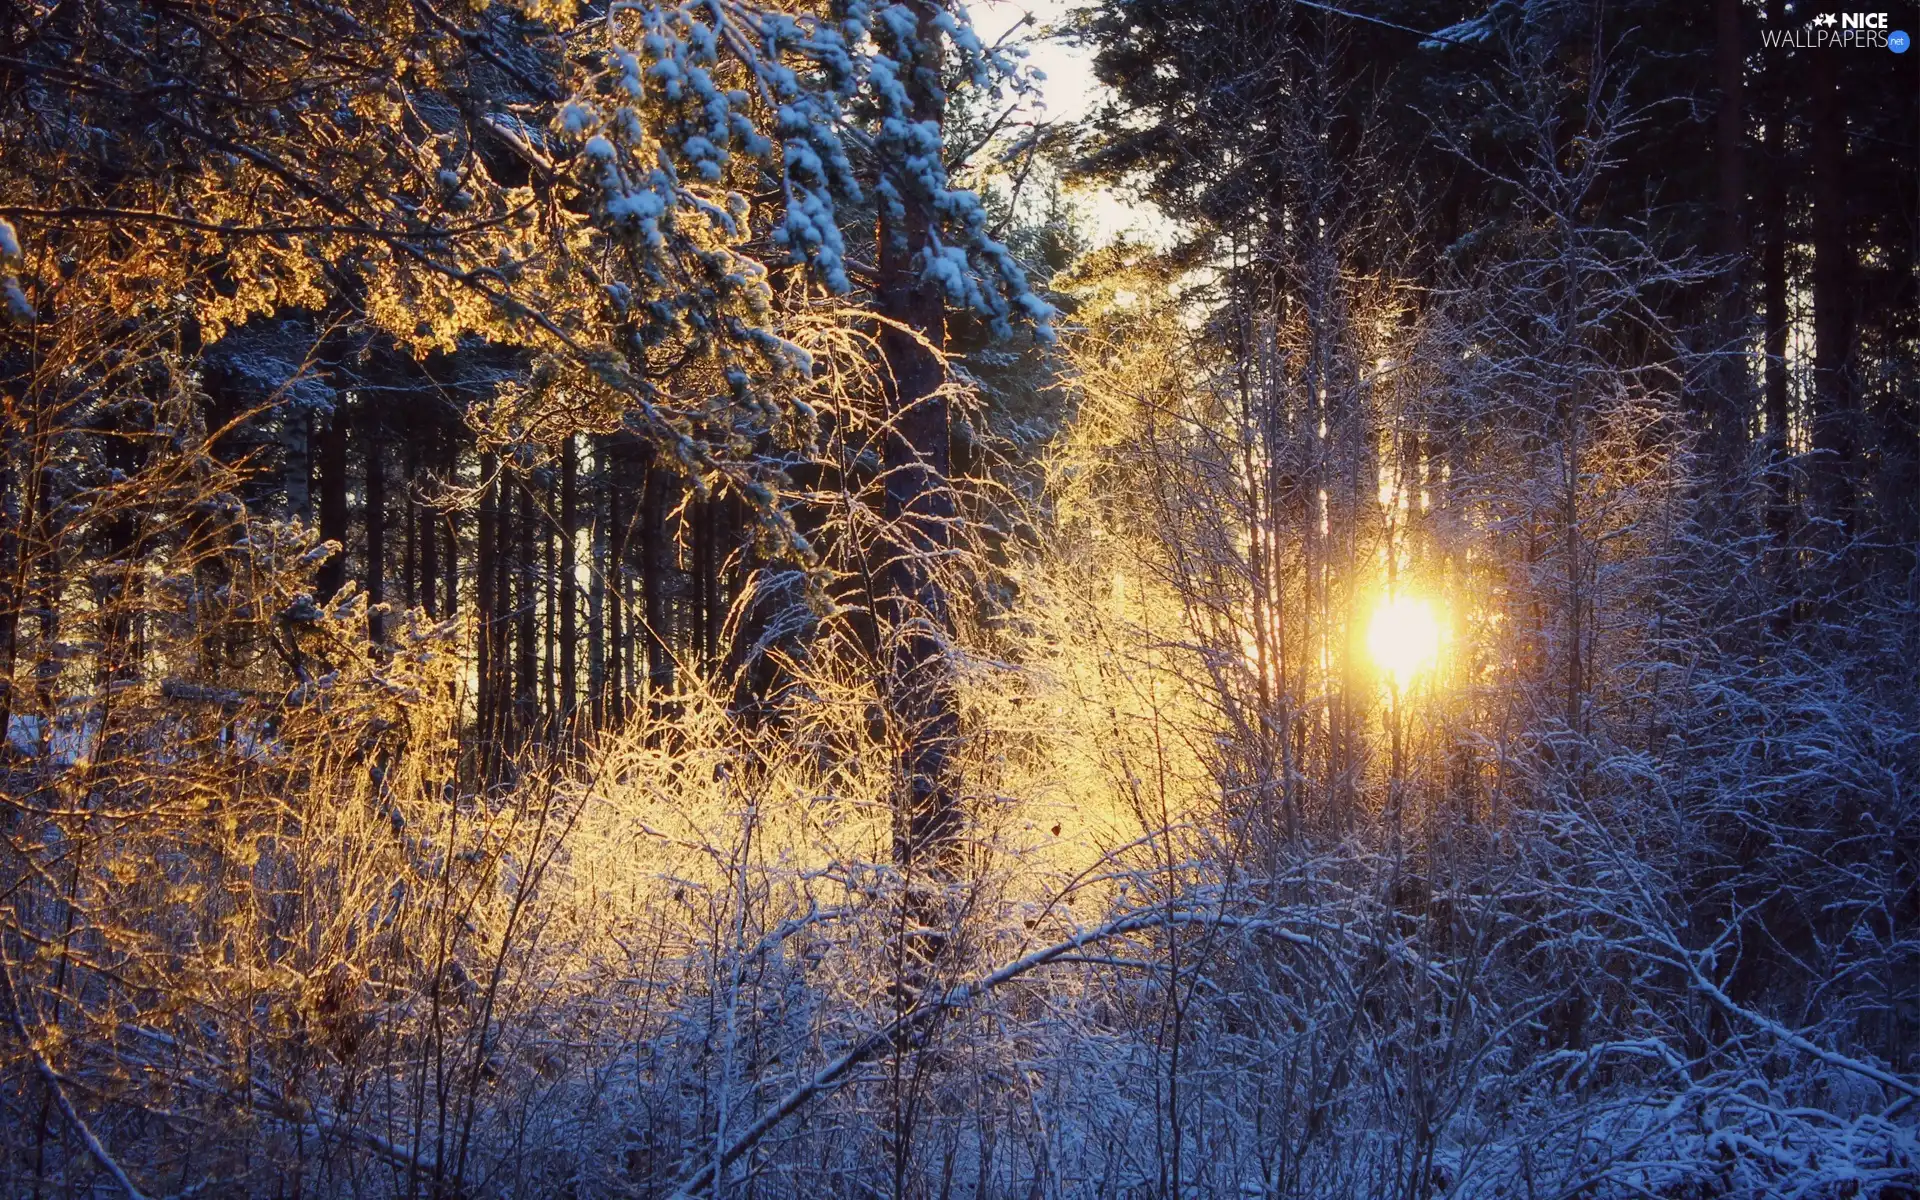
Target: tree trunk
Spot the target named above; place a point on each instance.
(915, 622)
(15, 505)
(333, 499)
(719, 603)
(526, 613)
(450, 568)
(1833, 419)
(484, 604)
(1733, 402)
(376, 523)
(1773, 267)
(410, 523)
(656, 547)
(701, 604)
(429, 538)
(613, 587)
(597, 599)
(503, 625)
(569, 534)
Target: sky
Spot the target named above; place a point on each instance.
(1069, 93)
(1070, 89)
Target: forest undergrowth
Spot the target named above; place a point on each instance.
(596, 604)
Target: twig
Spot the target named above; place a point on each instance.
(93, 1144)
(958, 997)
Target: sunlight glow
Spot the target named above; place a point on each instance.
(1404, 638)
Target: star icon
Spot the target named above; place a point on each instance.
(1825, 19)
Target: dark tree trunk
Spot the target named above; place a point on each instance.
(549, 626)
(333, 499)
(502, 624)
(656, 546)
(1730, 128)
(526, 614)
(735, 561)
(719, 548)
(569, 533)
(410, 524)
(1773, 267)
(633, 673)
(915, 622)
(597, 595)
(1733, 401)
(613, 587)
(484, 610)
(376, 523)
(1834, 414)
(700, 603)
(431, 522)
(15, 505)
(450, 565)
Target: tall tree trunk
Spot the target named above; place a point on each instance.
(450, 565)
(333, 499)
(569, 534)
(503, 556)
(376, 523)
(297, 465)
(597, 596)
(484, 613)
(16, 503)
(613, 587)
(700, 603)
(1773, 216)
(430, 521)
(915, 621)
(1730, 128)
(410, 523)
(1834, 431)
(1732, 404)
(549, 625)
(656, 549)
(719, 546)
(526, 613)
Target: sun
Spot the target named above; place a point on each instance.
(1404, 638)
